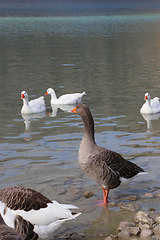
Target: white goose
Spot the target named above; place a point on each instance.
(33, 106)
(73, 98)
(45, 215)
(151, 106)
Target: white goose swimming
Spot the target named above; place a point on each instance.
(73, 98)
(151, 106)
(33, 106)
(45, 215)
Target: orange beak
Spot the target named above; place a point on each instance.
(145, 98)
(46, 94)
(22, 96)
(74, 110)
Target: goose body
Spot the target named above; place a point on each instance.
(151, 106)
(45, 215)
(73, 98)
(34, 106)
(7, 233)
(23, 230)
(104, 166)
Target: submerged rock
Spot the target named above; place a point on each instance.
(147, 195)
(133, 207)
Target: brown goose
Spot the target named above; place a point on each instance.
(44, 215)
(7, 233)
(102, 165)
(23, 230)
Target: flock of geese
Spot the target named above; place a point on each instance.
(30, 215)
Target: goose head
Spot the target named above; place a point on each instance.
(147, 96)
(50, 91)
(24, 95)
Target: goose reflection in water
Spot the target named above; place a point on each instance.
(27, 121)
(149, 118)
(64, 107)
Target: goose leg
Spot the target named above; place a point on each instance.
(105, 195)
(105, 200)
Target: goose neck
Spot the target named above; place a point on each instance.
(53, 95)
(88, 128)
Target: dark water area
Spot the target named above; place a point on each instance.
(75, 7)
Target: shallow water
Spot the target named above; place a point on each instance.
(114, 57)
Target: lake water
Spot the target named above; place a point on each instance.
(111, 50)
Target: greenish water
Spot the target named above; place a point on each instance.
(115, 59)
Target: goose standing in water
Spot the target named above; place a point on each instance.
(106, 167)
(45, 215)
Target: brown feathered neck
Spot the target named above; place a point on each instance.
(87, 119)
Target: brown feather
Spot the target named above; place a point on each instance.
(23, 198)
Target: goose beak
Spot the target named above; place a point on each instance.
(74, 110)
(46, 94)
(145, 98)
(22, 96)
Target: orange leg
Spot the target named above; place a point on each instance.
(105, 195)
(105, 199)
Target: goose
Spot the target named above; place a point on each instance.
(104, 166)
(151, 106)
(34, 106)
(7, 233)
(45, 215)
(73, 98)
(23, 230)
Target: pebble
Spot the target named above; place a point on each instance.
(88, 194)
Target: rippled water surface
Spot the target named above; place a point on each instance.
(112, 55)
